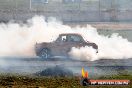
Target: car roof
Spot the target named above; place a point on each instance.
(69, 34)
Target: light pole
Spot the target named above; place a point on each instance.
(100, 10)
(30, 4)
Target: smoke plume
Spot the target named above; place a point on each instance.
(18, 39)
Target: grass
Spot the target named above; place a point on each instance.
(18, 81)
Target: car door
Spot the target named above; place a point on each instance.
(60, 46)
(75, 41)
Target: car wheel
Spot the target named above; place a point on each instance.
(45, 53)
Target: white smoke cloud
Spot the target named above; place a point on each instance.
(113, 47)
(19, 39)
(83, 53)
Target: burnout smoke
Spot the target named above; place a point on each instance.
(19, 39)
(83, 53)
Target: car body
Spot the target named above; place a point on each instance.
(62, 45)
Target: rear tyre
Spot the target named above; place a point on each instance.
(45, 53)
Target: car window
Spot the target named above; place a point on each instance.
(75, 38)
(63, 38)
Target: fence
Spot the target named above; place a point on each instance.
(68, 10)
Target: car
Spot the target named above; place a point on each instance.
(62, 45)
